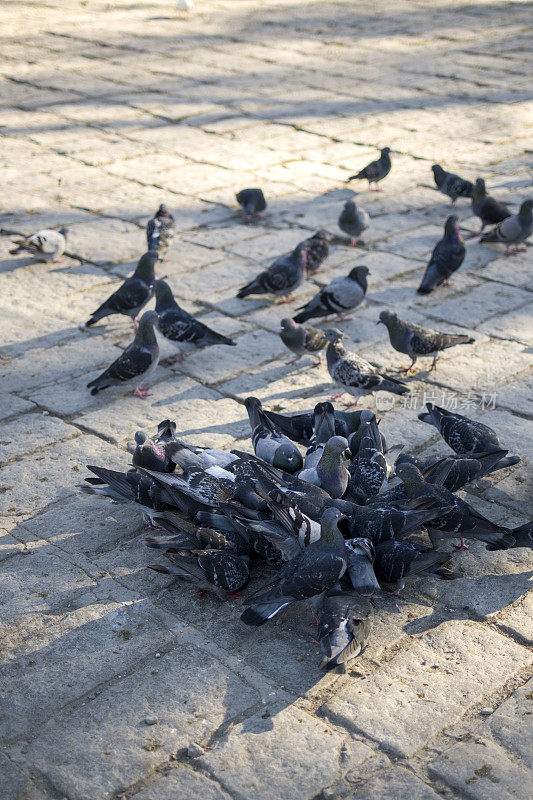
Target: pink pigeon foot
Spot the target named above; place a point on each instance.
(142, 392)
(461, 546)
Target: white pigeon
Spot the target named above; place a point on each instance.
(47, 244)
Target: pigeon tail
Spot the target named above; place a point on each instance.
(261, 612)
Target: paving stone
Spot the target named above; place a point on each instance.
(245, 761)
(393, 783)
(429, 686)
(31, 433)
(12, 783)
(182, 783)
(11, 404)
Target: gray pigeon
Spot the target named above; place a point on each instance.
(368, 471)
(353, 221)
(301, 340)
(317, 569)
(47, 244)
(356, 375)
(451, 185)
(381, 524)
(323, 431)
(150, 454)
(179, 326)
(360, 557)
(133, 294)
(269, 443)
(136, 363)
(300, 427)
(446, 258)
(514, 229)
(465, 436)
(344, 624)
(415, 341)
(330, 473)
(340, 296)
(454, 472)
(215, 571)
(396, 561)
(282, 277)
(160, 231)
(252, 202)
(489, 210)
(376, 170)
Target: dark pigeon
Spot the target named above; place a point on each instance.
(281, 278)
(513, 230)
(160, 231)
(338, 297)
(451, 185)
(465, 436)
(489, 210)
(317, 250)
(269, 443)
(395, 561)
(252, 202)
(376, 170)
(353, 221)
(446, 258)
(133, 294)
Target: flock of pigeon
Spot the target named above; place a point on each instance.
(320, 500)
(334, 521)
(352, 373)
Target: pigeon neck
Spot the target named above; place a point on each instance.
(525, 215)
(145, 332)
(164, 300)
(146, 269)
(334, 351)
(331, 537)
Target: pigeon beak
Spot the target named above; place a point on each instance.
(380, 322)
(347, 454)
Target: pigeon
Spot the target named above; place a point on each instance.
(317, 250)
(160, 231)
(360, 558)
(268, 442)
(368, 472)
(323, 431)
(136, 363)
(457, 518)
(252, 202)
(415, 341)
(179, 326)
(489, 210)
(353, 221)
(356, 375)
(451, 185)
(317, 569)
(281, 278)
(376, 170)
(382, 524)
(454, 472)
(514, 229)
(446, 258)
(465, 436)
(301, 340)
(150, 454)
(300, 427)
(210, 570)
(133, 294)
(397, 560)
(344, 624)
(338, 297)
(49, 245)
(129, 487)
(330, 473)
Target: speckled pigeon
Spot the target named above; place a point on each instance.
(446, 258)
(160, 231)
(344, 625)
(269, 443)
(414, 340)
(330, 473)
(489, 210)
(301, 340)
(316, 570)
(360, 558)
(136, 363)
(252, 202)
(382, 524)
(133, 294)
(323, 431)
(281, 278)
(300, 427)
(514, 229)
(368, 471)
(376, 170)
(338, 297)
(179, 326)
(397, 560)
(211, 570)
(352, 372)
(48, 245)
(451, 185)
(317, 250)
(465, 436)
(353, 221)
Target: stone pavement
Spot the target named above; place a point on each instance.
(108, 109)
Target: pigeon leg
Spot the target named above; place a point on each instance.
(285, 299)
(405, 370)
(178, 357)
(353, 403)
(142, 392)
(461, 546)
(447, 283)
(336, 396)
(234, 595)
(434, 364)
(135, 323)
(319, 362)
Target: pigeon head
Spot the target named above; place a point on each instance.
(288, 458)
(405, 458)
(333, 335)
(162, 211)
(480, 190)
(324, 413)
(337, 448)
(350, 207)
(288, 324)
(145, 331)
(322, 234)
(410, 476)
(331, 522)
(140, 437)
(63, 231)
(362, 546)
(358, 274)
(145, 269)
(299, 254)
(385, 151)
(388, 318)
(437, 169)
(163, 296)
(450, 226)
